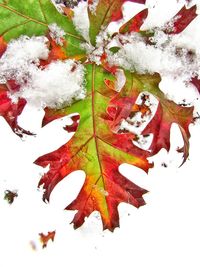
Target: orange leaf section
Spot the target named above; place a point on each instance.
(3, 46)
(56, 52)
(68, 12)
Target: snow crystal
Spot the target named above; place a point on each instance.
(93, 6)
(59, 83)
(163, 56)
(102, 43)
(80, 15)
(81, 20)
(22, 55)
(121, 80)
(56, 33)
(58, 5)
(55, 85)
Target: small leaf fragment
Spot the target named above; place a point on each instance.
(114, 49)
(10, 196)
(44, 239)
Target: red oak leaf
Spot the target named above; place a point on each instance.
(98, 151)
(168, 112)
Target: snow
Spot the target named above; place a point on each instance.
(61, 82)
(139, 121)
(169, 55)
(93, 6)
(22, 55)
(55, 85)
(81, 20)
(58, 5)
(56, 33)
(120, 80)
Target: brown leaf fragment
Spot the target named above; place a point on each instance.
(10, 196)
(44, 239)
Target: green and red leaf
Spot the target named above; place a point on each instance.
(106, 12)
(99, 152)
(135, 23)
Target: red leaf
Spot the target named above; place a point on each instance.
(182, 19)
(135, 23)
(10, 111)
(196, 82)
(167, 113)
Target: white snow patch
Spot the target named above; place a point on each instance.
(22, 55)
(102, 44)
(56, 33)
(58, 5)
(81, 20)
(121, 80)
(168, 55)
(55, 85)
(59, 83)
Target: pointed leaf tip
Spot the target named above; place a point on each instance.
(134, 24)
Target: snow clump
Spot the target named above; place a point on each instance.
(60, 82)
(56, 33)
(163, 56)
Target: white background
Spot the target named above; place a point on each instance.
(165, 232)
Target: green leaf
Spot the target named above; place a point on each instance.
(106, 12)
(114, 49)
(28, 17)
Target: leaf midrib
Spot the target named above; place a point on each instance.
(107, 11)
